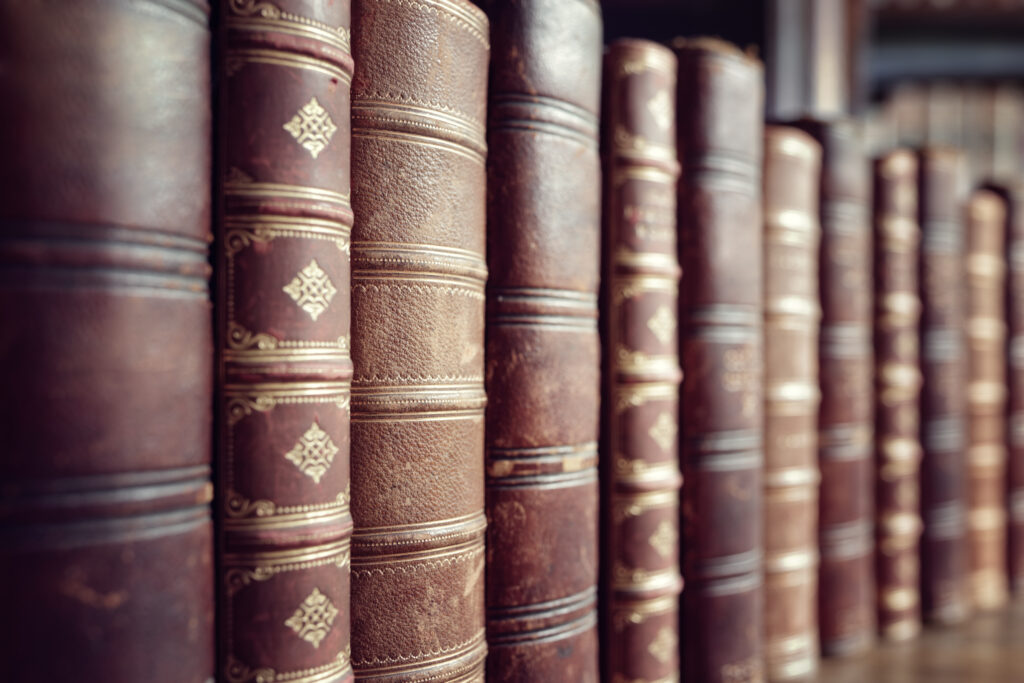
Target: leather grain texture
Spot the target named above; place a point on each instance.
(418, 274)
(719, 142)
(792, 313)
(1014, 195)
(897, 238)
(283, 297)
(106, 541)
(543, 356)
(640, 300)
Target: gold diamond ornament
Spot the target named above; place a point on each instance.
(660, 107)
(663, 645)
(312, 127)
(663, 324)
(664, 538)
(314, 453)
(312, 620)
(664, 431)
(311, 289)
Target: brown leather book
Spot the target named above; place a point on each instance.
(106, 540)
(944, 562)
(719, 141)
(283, 306)
(1013, 194)
(846, 587)
(897, 237)
(792, 311)
(986, 397)
(639, 446)
(543, 352)
(419, 99)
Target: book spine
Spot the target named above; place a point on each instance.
(792, 312)
(106, 539)
(640, 303)
(283, 311)
(986, 398)
(1015, 383)
(719, 142)
(944, 562)
(897, 394)
(418, 275)
(543, 351)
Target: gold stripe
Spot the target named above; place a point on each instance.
(261, 190)
(335, 36)
(899, 599)
(985, 519)
(285, 59)
(792, 561)
(421, 140)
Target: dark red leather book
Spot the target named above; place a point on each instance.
(1014, 235)
(106, 540)
(543, 352)
(639, 447)
(792, 312)
(897, 238)
(283, 232)
(419, 99)
(719, 142)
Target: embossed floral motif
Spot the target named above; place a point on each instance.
(663, 324)
(664, 538)
(313, 619)
(311, 289)
(663, 645)
(664, 431)
(312, 127)
(660, 108)
(314, 453)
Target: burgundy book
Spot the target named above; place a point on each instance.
(283, 305)
(639, 447)
(792, 310)
(719, 142)
(106, 540)
(897, 391)
(1014, 195)
(419, 99)
(543, 351)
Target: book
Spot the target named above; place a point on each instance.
(106, 538)
(719, 142)
(640, 582)
(283, 231)
(792, 313)
(419, 98)
(543, 351)
(1013, 194)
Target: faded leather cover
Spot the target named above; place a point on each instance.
(897, 394)
(543, 359)
(1014, 195)
(944, 562)
(419, 99)
(106, 542)
(846, 588)
(719, 142)
(282, 243)
(640, 582)
(986, 398)
(792, 312)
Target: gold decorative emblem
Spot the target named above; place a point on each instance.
(312, 620)
(663, 324)
(312, 127)
(660, 108)
(664, 431)
(311, 289)
(314, 453)
(663, 645)
(664, 538)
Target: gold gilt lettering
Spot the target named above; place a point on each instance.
(741, 376)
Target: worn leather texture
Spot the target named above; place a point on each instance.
(897, 238)
(944, 562)
(986, 398)
(106, 541)
(846, 588)
(792, 313)
(543, 359)
(283, 308)
(640, 582)
(1014, 196)
(419, 99)
(719, 142)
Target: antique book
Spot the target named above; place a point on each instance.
(640, 583)
(986, 398)
(106, 539)
(792, 311)
(543, 352)
(897, 392)
(846, 588)
(1014, 236)
(944, 562)
(719, 142)
(283, 305)
(419, 98)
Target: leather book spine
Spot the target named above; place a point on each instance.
(543, 351)
(792, 312)
(106, 538)
(419, 99)
(719, 142)
(1014, 195)
(640, 302)
(283, 310)
(986, 398)
(897, 237)
(944, 562)
(846, 586)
